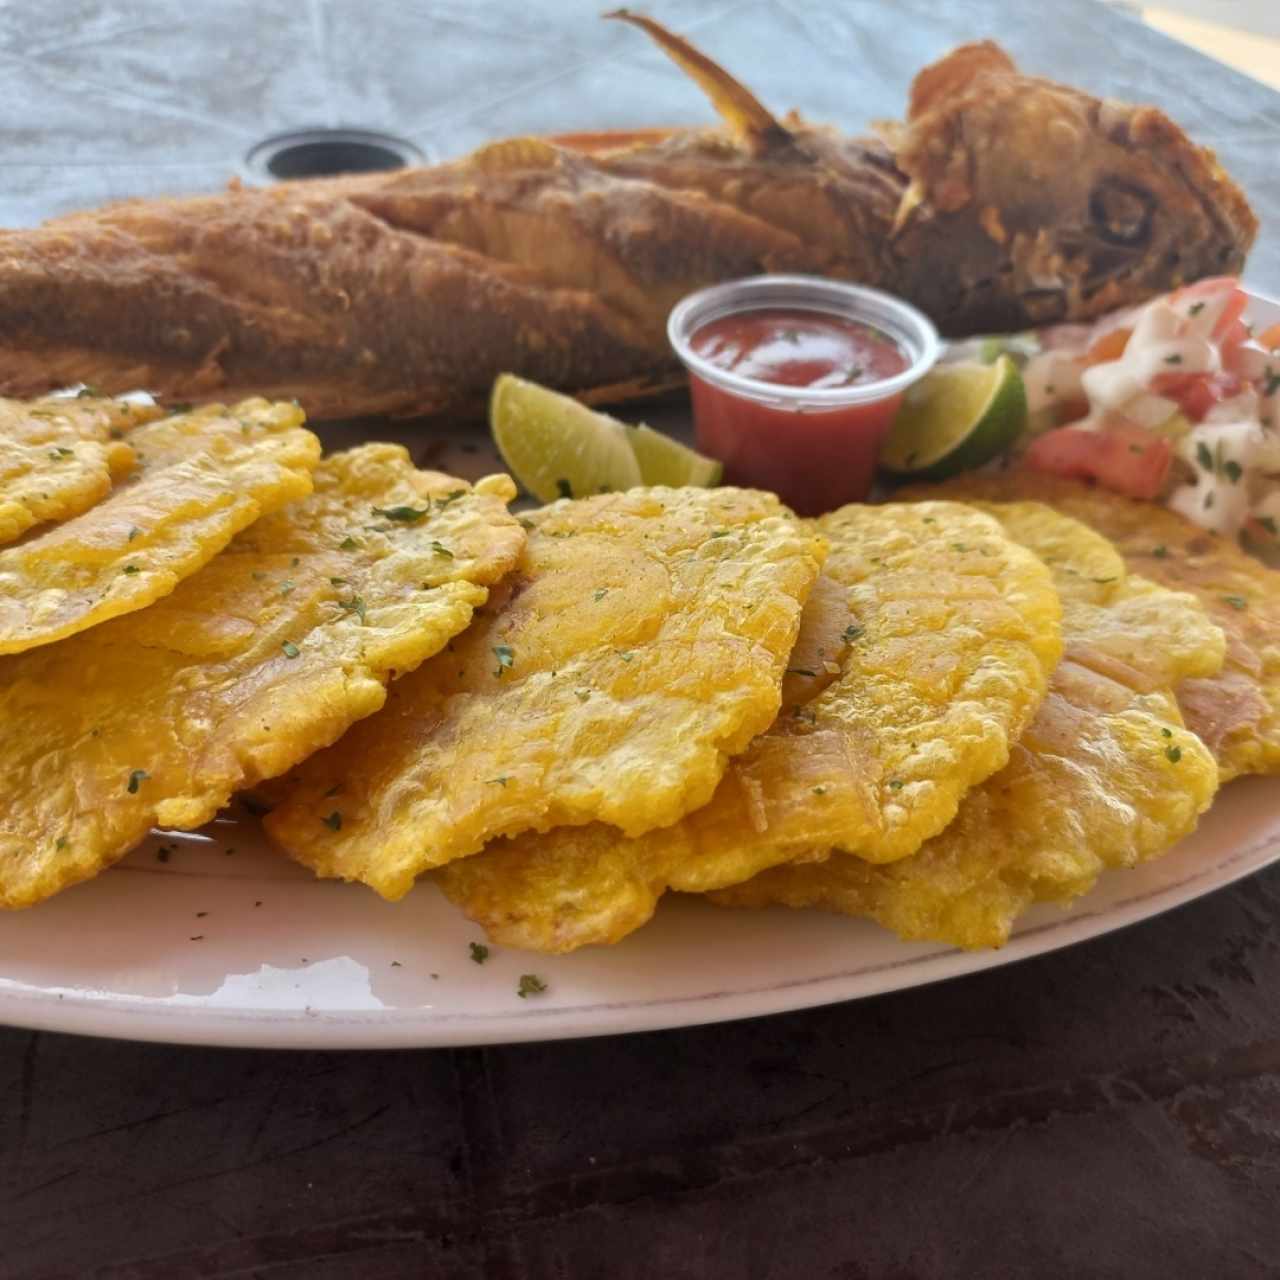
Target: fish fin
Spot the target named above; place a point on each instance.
(515, 153)
(740, 109)
(912, 199)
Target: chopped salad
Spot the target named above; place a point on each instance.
(1177, 400)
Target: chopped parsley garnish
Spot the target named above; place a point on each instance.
(132, 568)
(1203, 456)
(1236, 602)
(286, 586)
(449, 498)
(582, 694)
(60, 452)
(530, 985)
(719, 533)
(626, 656)
(1166, 733)
(479, 952)
(851, 633)
(87, 392)
(1195, 308)
(1173, 754)
(506, 657)
(1232, 470)
(348, 544)
(354, 605)
(61, 843)
(895, 784)
(1175, 359)
(338, 582)
(1161, 552)
(1103, 581)
(1269, 524)
(599, 593)
(133, 533)
(291, 650)
(333, 821)
(564, 488)
(406, 515)
(136, 778)
(441, 550)
(820, 791)
(955, 546)
(500, 781)
(928, 519)
(801, 671)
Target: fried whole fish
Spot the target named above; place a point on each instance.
(1003, 201)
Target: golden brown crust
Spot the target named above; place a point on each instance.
(1004, 201)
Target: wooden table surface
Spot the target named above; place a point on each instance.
(1113, 1110)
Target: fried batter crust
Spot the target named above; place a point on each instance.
(922, 655)
(198, 479)
(265, 655)
(1236, 712)
(60, 456)
(1105, 777)
(640, 643)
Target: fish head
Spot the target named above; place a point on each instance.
(1036, 201)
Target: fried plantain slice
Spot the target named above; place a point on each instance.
(58, 456)
(1105, 777)
(266, 654)
(639, 645)
(199, 478)
(923, 653)
(1236, 712)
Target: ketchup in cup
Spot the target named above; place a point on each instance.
(795, 381)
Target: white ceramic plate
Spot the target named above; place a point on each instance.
(221, 941)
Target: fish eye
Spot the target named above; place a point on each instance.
(1121, 214)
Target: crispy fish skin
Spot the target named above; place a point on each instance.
(1237, 711)
(640, 643)
(199, 478)
(1002, 201)
(60, 456)
(923, 653)
(1105, 777)
(268, 653)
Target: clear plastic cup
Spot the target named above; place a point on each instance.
(816, 447)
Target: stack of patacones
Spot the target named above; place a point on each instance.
(930, 712)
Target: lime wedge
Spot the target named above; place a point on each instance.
(666, 461)
(556, 447)
(957, 416)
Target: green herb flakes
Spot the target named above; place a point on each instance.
(530, 985)
(506, 657)
(333, 821)
(441, 550)
(136, 779)
(1173, 754)
(404, 515)
(1236, 602)
(291, 650)
(479, 952)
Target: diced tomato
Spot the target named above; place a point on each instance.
(1196, 393)
(1125, 458)
(1270, 338)
(1108, 347)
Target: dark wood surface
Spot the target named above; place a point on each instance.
(1109, 1111)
